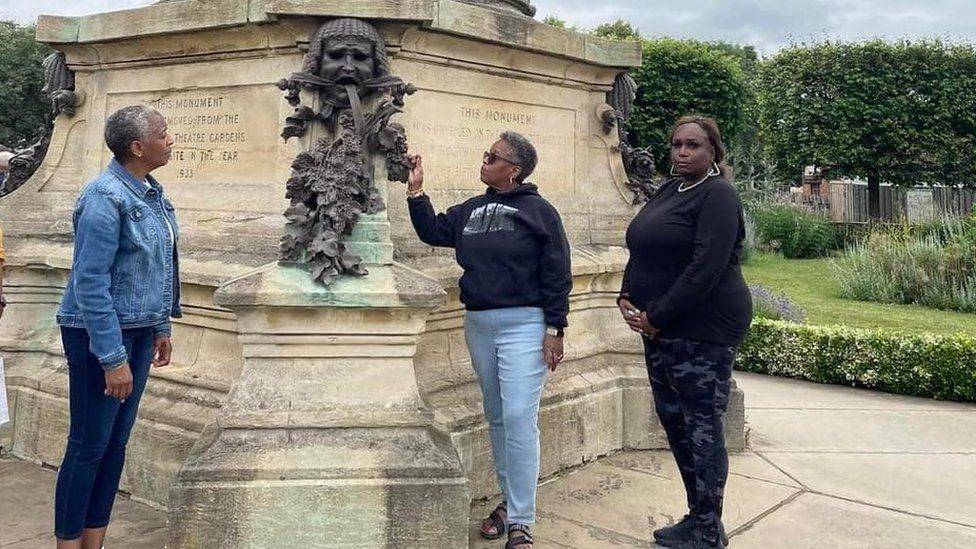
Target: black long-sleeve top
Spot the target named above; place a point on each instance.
(512, 247)
(684, 263)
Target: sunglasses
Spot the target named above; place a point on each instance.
(490, 158)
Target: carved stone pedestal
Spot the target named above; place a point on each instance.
(324, 440)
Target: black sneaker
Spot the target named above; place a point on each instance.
(677, 532)
(697, 541)
(683, 530)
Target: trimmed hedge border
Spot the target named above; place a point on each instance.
(934, 366)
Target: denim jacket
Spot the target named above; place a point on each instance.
(125, 270)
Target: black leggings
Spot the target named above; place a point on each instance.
(690, 381)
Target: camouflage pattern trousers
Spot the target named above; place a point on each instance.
(690, 381)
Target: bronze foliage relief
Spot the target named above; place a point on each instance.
(346, 78)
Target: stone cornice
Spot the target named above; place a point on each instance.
(447, 16)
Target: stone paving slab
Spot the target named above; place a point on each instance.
(815, 522)
(635, 503)
(660, 463)
(27, 511)
(892, 431)
(935, 485)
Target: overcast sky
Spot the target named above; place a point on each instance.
(766, 24)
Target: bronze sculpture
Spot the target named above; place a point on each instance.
(347, 71)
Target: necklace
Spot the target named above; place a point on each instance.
(693, 185)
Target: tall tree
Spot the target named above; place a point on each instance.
(902, 113)
(679, 77)
(554, 21)
(745, 150)
(618, 30)
(22, 106)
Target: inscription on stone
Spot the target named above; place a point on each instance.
(453, 131)
(220, 135)
(205, 129)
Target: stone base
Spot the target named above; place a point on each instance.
(324, 440)
(596, 403)
(321, 488)
(580, 420)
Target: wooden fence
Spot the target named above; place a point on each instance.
(847, 202)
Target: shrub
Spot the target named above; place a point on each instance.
(678, 77)
(923, 365)
(774, 306)
(795, 232)
(932, 265)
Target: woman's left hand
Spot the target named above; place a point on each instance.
(162, 351)
(640, 324)
(552, 351)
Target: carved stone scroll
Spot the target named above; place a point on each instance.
(59, 86)
(638, 162)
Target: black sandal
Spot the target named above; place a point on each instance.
(497, 521)
(523, 538)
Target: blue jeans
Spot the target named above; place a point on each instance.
(100, 426)
(506, 351)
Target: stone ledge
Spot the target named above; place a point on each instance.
(586, 261)
(385, 286)
(448, 16)
(34, 253)
(402, 10)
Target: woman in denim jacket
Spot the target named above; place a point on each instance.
(123, 289)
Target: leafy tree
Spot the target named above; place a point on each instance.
(903, 113)
(747, 56)
(22, 106)
(679, 77)
(746, 151)
(618, 30)
(554, 21)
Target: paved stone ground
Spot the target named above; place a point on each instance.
(826, 467)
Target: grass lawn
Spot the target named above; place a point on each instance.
(810, 284)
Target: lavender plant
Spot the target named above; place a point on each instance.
(933, 265)
(774, 306)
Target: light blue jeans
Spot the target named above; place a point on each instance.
(506, 351)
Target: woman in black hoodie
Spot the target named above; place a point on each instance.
(515, 287)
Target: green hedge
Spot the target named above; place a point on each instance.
(941, 367)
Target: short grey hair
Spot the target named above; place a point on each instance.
(126, 125)
(523, 153)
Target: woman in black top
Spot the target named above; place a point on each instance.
(683, 291)
(515, 287)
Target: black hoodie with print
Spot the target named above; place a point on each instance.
(512, 247)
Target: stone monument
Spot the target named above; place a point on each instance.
(321, 394)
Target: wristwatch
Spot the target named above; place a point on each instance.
(554, 331)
